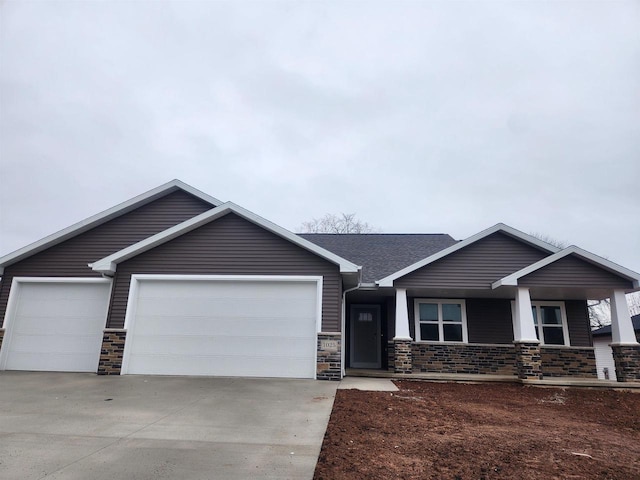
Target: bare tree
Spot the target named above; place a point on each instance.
(333, 223)
(549, 239)
(600, 310)
(633, 299)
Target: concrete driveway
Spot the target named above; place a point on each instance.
(81, 426)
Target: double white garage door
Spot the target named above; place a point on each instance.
(187, 325)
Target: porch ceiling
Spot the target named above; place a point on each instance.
(508, 292)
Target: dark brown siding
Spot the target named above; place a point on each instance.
(475, 266)
(70, 258)
(489, 321)
(573, 272)
(578, 323)
(230, 246)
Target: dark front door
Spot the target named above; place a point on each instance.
(365, 336)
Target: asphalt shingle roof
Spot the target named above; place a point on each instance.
(381, 254)
(606, 330)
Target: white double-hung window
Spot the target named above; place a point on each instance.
(550, 319)
(440, 320)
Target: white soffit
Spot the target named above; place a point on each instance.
(512, 279)
(108, 265)
(500, 227)
(103, 217)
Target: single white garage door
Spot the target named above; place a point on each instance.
(222, 327)
(55, 325)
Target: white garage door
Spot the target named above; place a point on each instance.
(55, 325)
(222, 327)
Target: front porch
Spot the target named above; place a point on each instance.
(487, 378)
(513, 339)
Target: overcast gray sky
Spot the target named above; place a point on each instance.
(417, 116)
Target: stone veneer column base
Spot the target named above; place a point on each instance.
(627, 360)
(402, 359)
(528, 361)
(329, 361)
(112, 350)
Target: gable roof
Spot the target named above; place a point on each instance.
(104, 217)
(108, 265)
(500, 227)
(381, 254)
(606, 330)
(512, 279)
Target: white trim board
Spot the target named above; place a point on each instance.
(500, 227)
(512, 279)
(108, 265)
(103, 217)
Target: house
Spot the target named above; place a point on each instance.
(176, 282)
(602, 339)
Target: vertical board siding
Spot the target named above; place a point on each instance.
(489, 321)
(476, 266)
(230, 246)
(578, 323)
(70, 258)
(571, 271)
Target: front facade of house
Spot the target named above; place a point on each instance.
(175, 282)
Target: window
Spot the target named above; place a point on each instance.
(550, 319)
(440, 320)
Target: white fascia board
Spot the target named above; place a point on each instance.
(107, 265)
(500, 227)
(512, 279)
(104, 217)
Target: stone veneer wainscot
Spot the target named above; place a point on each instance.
(329, 362)
(112, 350)
(568, 361)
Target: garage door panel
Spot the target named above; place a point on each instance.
(56, 362)
(222, 345)
(56, 326)
(52, 291)
(224, 366)
(231, 307)
(225, 289)
(52, 325)
(63, 344)
(223, 327)
(203, 325)
(61, 308)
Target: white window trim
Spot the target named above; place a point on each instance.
(440, 301)
(540, 330)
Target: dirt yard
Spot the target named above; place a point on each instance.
(482, 432)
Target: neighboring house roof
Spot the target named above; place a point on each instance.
(512, 279)
(500, 227)
(103, 217)
(381, 254)
(606, 330)
(108, 265)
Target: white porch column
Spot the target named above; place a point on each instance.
(524, 329)
(621, 325)
(402, 315)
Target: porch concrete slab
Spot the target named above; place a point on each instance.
(367, 384)
(78, 426)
